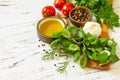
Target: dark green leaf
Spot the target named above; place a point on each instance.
(89, 54)
(103, 41)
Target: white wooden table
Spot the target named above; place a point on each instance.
(21, 50)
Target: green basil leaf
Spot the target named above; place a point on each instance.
(66, 34)
(102, 57)
(70, 28)
(113, 49)
(57, 34)
(83, 61)
(114, 58)
(103, 41)
(81, 33)
(94, 56)
(89, 54)
(108, 61)
(99, 49)
(74, 47)
(54, 43)
(95, 42)
(84, 48)
(66, 42)
(77, 56)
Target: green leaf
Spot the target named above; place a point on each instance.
(111, 43)
(70, 28)
(91, 38)
(83, 61)
(66, 42)
(113, 50)
(66, 34)
(77, 56)
(102, 57)
(108, 61)
(81, 33)
(57, 34)
(54, 43)
(99, 49)
(94, 56)
(114, 58)
(89, 54)
(84, 48)
(95, 42)
(74, 47)
(103, 41)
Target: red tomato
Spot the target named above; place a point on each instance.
(48, 11)
(59, 4)
(67, 8)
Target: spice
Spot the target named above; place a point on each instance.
(80, 15)
(38, 45)
(43, 44)
(43, 49)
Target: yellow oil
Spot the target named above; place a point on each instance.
(49, 27)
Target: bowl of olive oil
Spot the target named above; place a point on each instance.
(47, 26)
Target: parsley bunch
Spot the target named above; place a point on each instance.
(103, 11)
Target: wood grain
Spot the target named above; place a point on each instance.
(21, 50)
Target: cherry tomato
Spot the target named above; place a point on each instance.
(59, 4)
(67, 8)
(48, 11)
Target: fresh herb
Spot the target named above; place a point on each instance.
(74, 41)
(50, 55)
(62, 67)
(102, 10)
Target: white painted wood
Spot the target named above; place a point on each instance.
(20, 56)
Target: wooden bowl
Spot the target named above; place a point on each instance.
(80, 15)
(47, 26)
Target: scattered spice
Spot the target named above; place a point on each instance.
(55, 65)
(73, 66)
(38, 45)
(44, 50)
(43, 44)
(56, 55)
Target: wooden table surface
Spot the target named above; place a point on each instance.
(21, 50)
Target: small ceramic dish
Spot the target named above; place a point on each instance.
(47, 26)
(80, 15)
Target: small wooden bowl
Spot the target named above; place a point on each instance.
(43, 30)
(80, 15)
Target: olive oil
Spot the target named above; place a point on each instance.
(48, 27)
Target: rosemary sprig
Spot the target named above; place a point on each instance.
(62, 67)
(50, 55)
